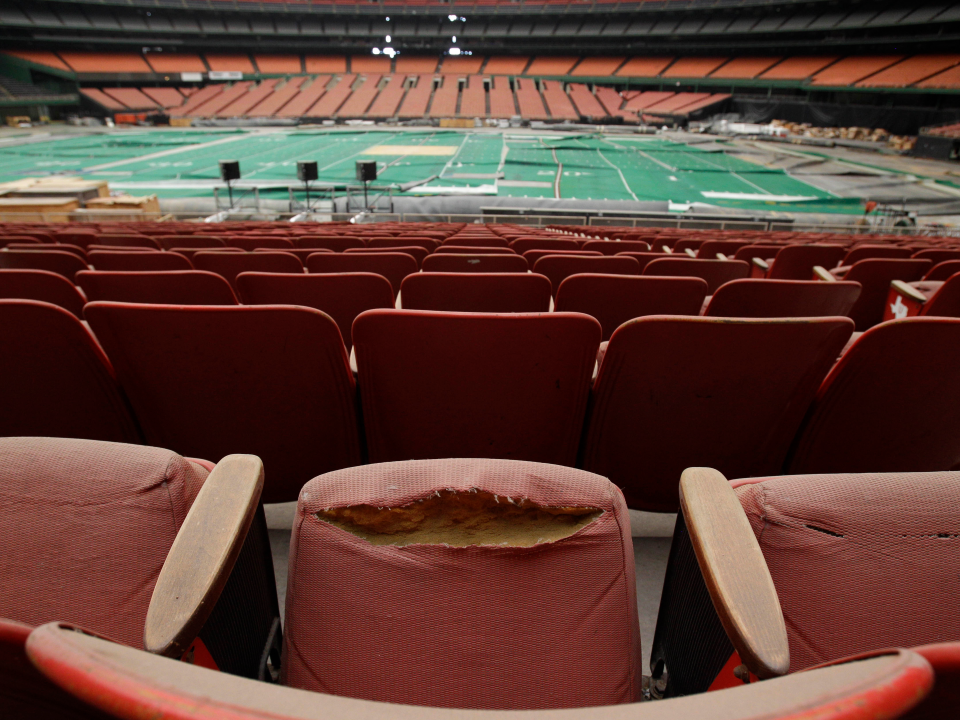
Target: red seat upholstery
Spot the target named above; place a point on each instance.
(937, 255)
(487, 241)
(478, 263)
(889, 404)
(783, 298)
(177, 287)
(55, 261)
(863, 252)
(261, 241)
(476, 601)
(709, 249)
(43, 286)
(796, 262)
(715, 272)
(645, 258)
(78, 251)
(189, 252)
(559, 267)
(760, 250)
(942, 270)
(522, 244)
(615, 299)
(533, 255)
(136, 261)
(458, 249)
(476, 292)
(272, 381)
(229, 265)
(126, 241)
(341, 296)
(58, 383)
(607, 247)
(393, 266)
(875, 276)
(944, 302)
(415, 251)
(337, 244)
(474, 385)
(169, 242)
(385, 244)
(726, 394)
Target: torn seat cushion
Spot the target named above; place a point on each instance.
(463, 583)
(85, 527)
(860, 561)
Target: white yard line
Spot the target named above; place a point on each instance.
(165, 153)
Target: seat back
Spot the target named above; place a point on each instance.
(645, 258)
(709, 250)
(725, 394)
(101, 519)
(388, 244)
(942, 270)
(474, 385)
(758, 250)
(336, 243)
(44, 286)
(559, 267)
(615, 299)
(428, 578)
(849, 552)
(714, 272)
(341, 296)
(169, 242)
(615, 247)
(936, 255)
(458, 249)
(476, 292)
(393, 266)
(796, 262)
(863, 252)
(250, 243)
(478, 263)
(228, 265)
(58, 383)
(272, 381)
(126, 240)
(783, 298)
(875, 276)
(417, 252)
(856, 423)
(522, 244)
(177, 287)
(55, 261)
(137, 261)
(487, 241)
(944, 303)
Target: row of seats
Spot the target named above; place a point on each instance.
(388, 603)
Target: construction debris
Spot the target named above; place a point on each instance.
(900, 143)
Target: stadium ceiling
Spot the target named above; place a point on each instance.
(689, 27)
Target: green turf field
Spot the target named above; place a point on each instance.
(181, 163)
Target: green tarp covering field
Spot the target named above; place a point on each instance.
(182, 163)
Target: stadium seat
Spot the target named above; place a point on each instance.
(125, 241)
(766, 252)
(55, 261)
(753, 298)
(7, 239)
(924, 298)
(533, 255)
(854, 424)
(188, 252)
(59, 383)
(478, 263)
(829, 563)
(606, 247)
(796, 262)
(942, 270)
(263, 241)
(864, 252)
(559, 267)
(44, 286)
(875, 276)
(937, 255)
(273, 381)
(134, 261)
(522, 244)
(615, 299)
(487, 241)
(176, 287)
(78, 251)
(714, 272)
(388, 244)
(393, 266)
(417, 252)
(229, 265)
(728, 394)
(169, 242)
(711, 248)
(490, 292)
(440, 385)
(645, 258)
(342, 296)
(472, 250)
(337, 244)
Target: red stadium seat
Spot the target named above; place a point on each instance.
(134, 261)
(533, 255)
(796, 262)
(393, 266)
(6, 240)
(763, 251)
(301, 253)
(490, 292)
(864, 252)
(525, 398)
(854, 424)
(710, 249)
(169, 242)
(924, 298)
(728, 394)
(337, 244)
(942, 270)
(271, 380)
(875, 276)
(559, 267)
(189, 252)
(479, 263)
(782, 298)
(487, 241)
(715, 272)
(58, 381)
(383, 243)
(177, 287)
(43, 286)
(55, 261)
(615, 299)
(472, 250)
(125, 241)
(645, 258)
(607, 247)
(263, 241)
(522, 244)
(341, 296)
(937, 255)
(229, 265)
(415, 251)
(78, 251)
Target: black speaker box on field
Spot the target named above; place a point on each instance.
(366, 170)
(307, 171)
(229, 170)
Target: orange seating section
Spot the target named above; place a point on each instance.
(87, 62)
(910, 71)
(744, 68)
(467, 65)
(230, 63)
(597, 66)
(416, 64)
(279, 63)
(849, 70)
(694, 67)
(325, 63)
(175, 62)
(550, 66)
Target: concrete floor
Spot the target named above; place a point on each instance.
(651, 532)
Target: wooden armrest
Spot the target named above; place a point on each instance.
(762, 264)
(821, 273)
(907, 291)
(667, 249)
(690, 252)
(721, 256)
(203, 555)
(735, 572)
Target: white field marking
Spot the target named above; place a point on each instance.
(620, 173)
(450, 162)
(556, 178)
(737, 176)
(412, 150)
(165, 153)
(756, 196)
(348, 157)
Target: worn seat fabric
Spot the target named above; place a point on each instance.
(44, 286)
(490, 622)
(271, 381)
(477, 292)
(783, 298)
(174, 287)
(439, 384)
